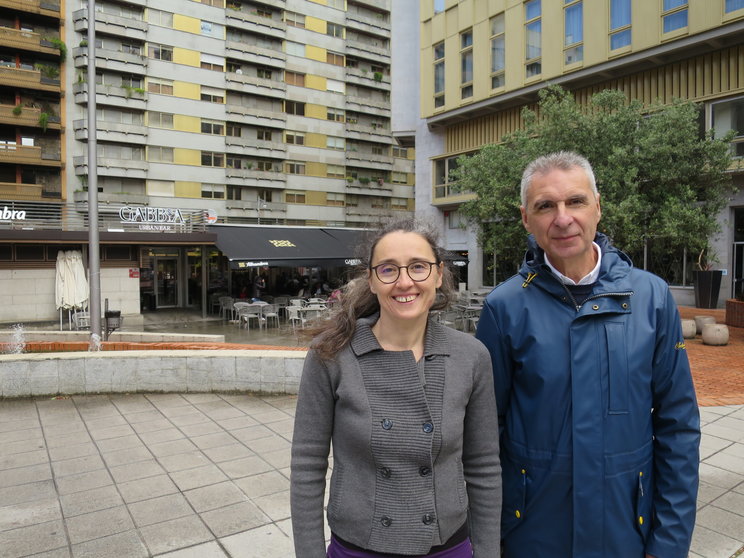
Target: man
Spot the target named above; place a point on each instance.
(598, 418)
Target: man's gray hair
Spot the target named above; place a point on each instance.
(561, 160)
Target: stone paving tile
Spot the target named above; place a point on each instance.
(126, 456)
(27, 492)
(138, 470)
(25, 459)
(33, 539)
(98, 524)
(263, 542)
(235, 518)
(83, 481)
(24, 475)
(229, 452)
(76, 450)
(263, 484)
(214, 496)
(163, 508)
(206, 550)
(89, 501)
(183, 461)
(120, 545)
(200, 476)
(120, 443)
(175, 534)
(248, 466)
(201, 428)
(77, 465)
(29, 513)
(142, 489)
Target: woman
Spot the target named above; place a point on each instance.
(409, 407)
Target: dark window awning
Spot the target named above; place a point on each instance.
(257, 246)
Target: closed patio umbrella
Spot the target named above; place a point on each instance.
(71, 284)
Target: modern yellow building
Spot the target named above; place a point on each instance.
(482, 61)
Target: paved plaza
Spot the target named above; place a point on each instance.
(207, 476)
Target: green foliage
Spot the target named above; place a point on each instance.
(18, 109)
(378, 76)
(661, 181)
(47, 70)
(44, 120)
(364, 180)
(61, 46)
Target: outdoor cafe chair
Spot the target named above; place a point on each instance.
(226, 306)
(250, 312)
(295, 315)
(270, 312)
(81, 320)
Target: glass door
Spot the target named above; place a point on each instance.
(166, 282)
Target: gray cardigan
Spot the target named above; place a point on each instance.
(411, 462)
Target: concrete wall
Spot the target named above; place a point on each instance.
(29, 375)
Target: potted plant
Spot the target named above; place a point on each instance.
(707, 281)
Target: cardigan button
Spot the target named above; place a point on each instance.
(385, 472)
(386, 521)
(387, 424)
(427, 427)
(428, 519)
(424, 471)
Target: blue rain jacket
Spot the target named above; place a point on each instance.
(598, 420)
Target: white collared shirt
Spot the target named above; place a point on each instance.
(588, 279)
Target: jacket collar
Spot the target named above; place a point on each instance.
(364, 341)
(614, 271)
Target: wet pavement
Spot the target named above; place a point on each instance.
(207, 475)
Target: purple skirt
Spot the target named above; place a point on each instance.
(336, 550)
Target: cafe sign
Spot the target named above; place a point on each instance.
(152, 218)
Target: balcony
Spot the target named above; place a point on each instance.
(368, 51)
(16, 191)
(255, 148)
(106, 198)
(367, 79)
(373, 25)
(13, 153)
(368, 132)
(362, 159)
(41, 7)
(110, 24)
(368, 106)
(112, 95)
(114, 60)
(255, 85)
(255, 24)
(444, 196)
(255, 178)
(30, 79)
(255, 54)
(25, 40)
(112, 131)
(29, 116)
(123, 168)
(256, 117)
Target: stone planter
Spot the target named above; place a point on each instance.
(735, 312)
(700, 321)
(689, 329)
(707, 285)
(715, 334)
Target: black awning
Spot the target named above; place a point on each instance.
(257, 246)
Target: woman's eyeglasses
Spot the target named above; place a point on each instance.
(417, 271)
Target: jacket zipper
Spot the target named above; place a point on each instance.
(591, 297)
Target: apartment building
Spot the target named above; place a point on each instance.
(215, 121)
(482, 62)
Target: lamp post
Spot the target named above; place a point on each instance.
(94, 262)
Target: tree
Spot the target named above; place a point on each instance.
(662, 180)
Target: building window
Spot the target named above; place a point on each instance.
(293, 78)
(159, 17)
(442, 181)
(573, 38)
(213, 191)
(264, 13)
(398, 204)
(674, 15)
(294, 107)
(130, 48)
(293, 167)
(335, 199)
(294, 19)
(161, 86)
(533, 38)
(729, 115)
(294, 138)
(335, 58)
(733, 5)
(352, 200)
(266, 166)
(212, 95)
(214, 3)
(233, 162)
(160, 52)
(377, 150)
(158, 154)
(335, 86)
(337, 115)
(466, 64)
(338, 4)
(160, 120)
(263, 134)
(131, 81)
(438, 6)
(400, 152)
(291, 196)
(377, 202)
(210, 127)
(439, 75)
(335, 30)
(233, 130)
(212, 159)
(498, 52)
(211, 62)
(335, 143)
(211, 29)
(234, 193)
(400, 177)
(263, 73)
(294, 49)
(619, 24)
(335, 171)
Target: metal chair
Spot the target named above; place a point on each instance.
(81, 320)
(250, 312)
(295, 315)
(226, 305)
(270, 312)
